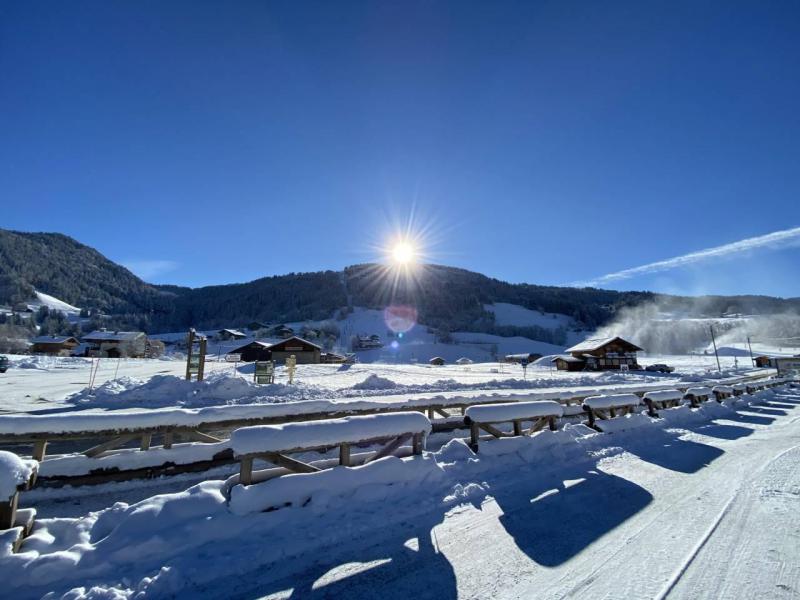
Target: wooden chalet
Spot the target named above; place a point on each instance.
(437, 361)
(254, 351)
(304, 351)
(116, 344)
(282, 331)
(600, 354)
(230, 334)
(54, 345)
(527, 357)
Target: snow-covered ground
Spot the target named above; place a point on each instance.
(701, 504)
(47, 383)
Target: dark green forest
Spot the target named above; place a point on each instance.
(447, 299)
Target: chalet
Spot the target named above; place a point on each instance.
(254, 351)
(567, 362)
(367, 342)
(54, 345)
(464, 361)
(116, 344)
(257, 325)
(599, 354)
(437, 361)
(304, 351)
(332, 358)
(763, 361)
(226, 335)
(526, 357)
(282, 331)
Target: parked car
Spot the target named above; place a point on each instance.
(659, 368)
(4, 364)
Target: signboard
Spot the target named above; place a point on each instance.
(265, 372)
(194, 364)
(624, 367)
(233, 358)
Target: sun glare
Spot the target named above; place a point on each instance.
(403, 253)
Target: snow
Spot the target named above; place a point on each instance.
(14, 473)
(53, 303)
(326, 432)
(508, 523)
(498, 413)
(699, 391)
(624, 423)
(519, 316)
(612, 401)
(664, 395)
(722, 389)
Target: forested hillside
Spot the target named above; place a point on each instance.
(446, 298)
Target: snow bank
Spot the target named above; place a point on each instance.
(381, 478)
(722, 389)
(612, 401)
(14, 473)
(375, 382)
(624, 423)
(327, 432)
(498, 413)
(664, 395)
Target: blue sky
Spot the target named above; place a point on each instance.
(546, 142)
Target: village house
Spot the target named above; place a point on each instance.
(116, 344)
(282, 331)
(226, 335)
(527, 357)
(600, 354)
(436, 361)
(54, 345)
(304, 351)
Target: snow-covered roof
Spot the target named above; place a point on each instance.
(232, 332)
(112, 336)
(53, 339)
(597, 343)
(567, 358)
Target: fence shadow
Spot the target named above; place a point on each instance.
(671, 452)
(557, 526)
(723, 432)
(383, 566)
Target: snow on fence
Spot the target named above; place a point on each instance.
(722, 391)
(539, 414)
(129, 449)
(661, 399)
(273, 443)
(16, 475)
(697, 395)
(609, 406)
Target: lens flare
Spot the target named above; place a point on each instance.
(400, 318)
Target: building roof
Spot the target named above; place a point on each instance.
(232, 332)
(250, 344)
(597, 343)
(53, 339)
(567, 358)
(295, 339)
(112, 336)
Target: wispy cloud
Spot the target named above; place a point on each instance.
(150, 269)
(777, 239)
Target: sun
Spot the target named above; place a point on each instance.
(403, 253)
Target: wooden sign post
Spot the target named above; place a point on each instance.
(195, 355)
(291, 365)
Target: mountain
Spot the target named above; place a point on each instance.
(77, 274)
(446, 298)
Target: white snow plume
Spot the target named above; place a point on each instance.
(653, 327)
(774, 240)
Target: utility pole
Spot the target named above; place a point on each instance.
(753, 360)
(714, 341)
